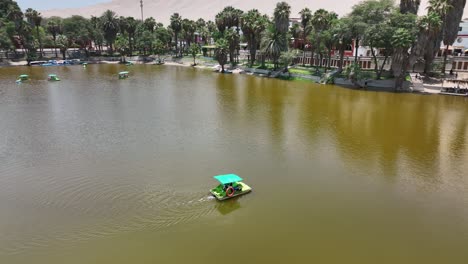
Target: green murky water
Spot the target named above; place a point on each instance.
(97, 170)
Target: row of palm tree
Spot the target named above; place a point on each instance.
(376, 23)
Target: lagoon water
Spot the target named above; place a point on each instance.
(97, 170)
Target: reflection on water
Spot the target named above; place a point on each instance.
(228, 206)
(92, 161)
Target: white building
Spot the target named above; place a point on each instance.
(460, 46)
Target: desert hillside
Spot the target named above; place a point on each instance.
(207, 9)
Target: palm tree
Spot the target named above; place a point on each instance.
(306, 17)
(451, 25)
(331, 39)
(96, 33)
(273, 43)
(12, 12)
(429, 38)
(29, 14)
(63, 42)
(122, 46)
(343, 34)
(295, 31)
(123, 25)
(221, 21)
(54, 27)
(34, 18)
(189, 28)
(200, 23)
(211, 26)
(431, 24)
(221, 52)
(229, 17)
(322, 20)
(281, 17)
(233, 39)
(409, 6)
(110, 27)
(176, 25)
(202, 30)
(442, 7)
(131, 29)
(150, 24)
(253, 24)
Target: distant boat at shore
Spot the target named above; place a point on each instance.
(55, 63)
(454, 91)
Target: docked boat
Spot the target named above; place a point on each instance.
(230, 186)
(454, 91)
(53, 77)
(50, 63)
(37, 63)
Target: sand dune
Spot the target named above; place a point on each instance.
(161, 10)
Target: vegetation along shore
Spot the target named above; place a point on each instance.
(317, 45)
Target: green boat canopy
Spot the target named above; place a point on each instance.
(228, 178)
(124, 72)
(52, 75)
(24, 76)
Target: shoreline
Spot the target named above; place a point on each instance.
(428, 89)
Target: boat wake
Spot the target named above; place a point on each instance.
(129, 209)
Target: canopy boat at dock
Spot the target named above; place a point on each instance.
(454, 87)
(53, 77)
(230, 186)
(454, 91)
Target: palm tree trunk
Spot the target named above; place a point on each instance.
(176, 50)
(379, 74)
(376, 66)
(130, 52)
(312, 57)
(304, 49)
(55, 46)
(40, 41)
(445, 59)
(263, 60)
(303, 57)
(356, 47)
(340, 67)
(253, 53)
(318, 58)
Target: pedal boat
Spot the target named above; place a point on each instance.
(53, 77)
(22, 78)
(230, 186)
(123, 75)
